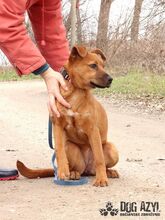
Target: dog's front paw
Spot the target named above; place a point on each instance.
(63, 172)
(74, 175)
(101, 182)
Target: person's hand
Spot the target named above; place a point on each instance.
(53, 79)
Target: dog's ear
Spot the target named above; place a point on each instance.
(100, 53)
(79, 51)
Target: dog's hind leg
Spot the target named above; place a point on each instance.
(111, 158)
(75, 159)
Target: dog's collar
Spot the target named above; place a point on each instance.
(64, 73)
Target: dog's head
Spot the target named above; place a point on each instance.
(86, 68)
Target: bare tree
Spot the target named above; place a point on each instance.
(73, 22)
(79, 23)
(136, 20)
(80, 19)
(67, 22)
(102, 32)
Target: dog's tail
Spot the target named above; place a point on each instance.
(32, 174)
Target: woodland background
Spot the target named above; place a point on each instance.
(132, 38)
(135, 40)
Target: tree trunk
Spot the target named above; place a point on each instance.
(73, 23)
(136, 20)
(102, 32)
(79, 24)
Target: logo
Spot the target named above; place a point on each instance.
(109, 209)
(131, 209)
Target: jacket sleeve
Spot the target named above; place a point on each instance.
(14, 39)
(48, 25)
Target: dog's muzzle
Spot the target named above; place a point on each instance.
(108, 80)
(102, 82)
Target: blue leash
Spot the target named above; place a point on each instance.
(81, 181)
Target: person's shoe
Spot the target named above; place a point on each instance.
(8, 174)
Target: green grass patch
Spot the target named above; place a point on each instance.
(12, 76)
(136, 84)
(133, 84)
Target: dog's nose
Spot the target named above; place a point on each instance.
(108, 79)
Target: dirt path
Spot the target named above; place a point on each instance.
(23, 135)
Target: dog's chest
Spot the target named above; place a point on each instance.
(74, 128)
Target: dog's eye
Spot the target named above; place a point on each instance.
(93, 66)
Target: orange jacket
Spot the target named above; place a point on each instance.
(49, 31)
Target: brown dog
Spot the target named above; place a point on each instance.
(81, 132)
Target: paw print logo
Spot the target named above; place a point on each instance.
(109, 206)
(114, 212)
(103, 212)
(109, 209)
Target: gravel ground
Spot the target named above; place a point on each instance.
(138, 134)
